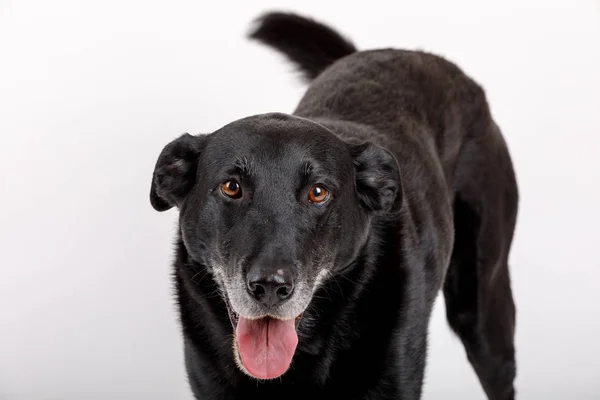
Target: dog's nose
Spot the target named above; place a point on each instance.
(270, 286)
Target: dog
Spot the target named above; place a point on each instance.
(312, 245)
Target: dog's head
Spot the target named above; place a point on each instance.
(272, 204)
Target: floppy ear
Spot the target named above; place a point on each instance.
(175, 171)
(378, 181)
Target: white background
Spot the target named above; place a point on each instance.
(90, 92)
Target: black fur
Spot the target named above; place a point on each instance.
(306, 42)
(424, 200)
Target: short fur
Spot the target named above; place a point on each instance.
(424, 199)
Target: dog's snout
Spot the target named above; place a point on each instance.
(270, 287)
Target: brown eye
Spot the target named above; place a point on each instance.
(317, 194)
(231, 189)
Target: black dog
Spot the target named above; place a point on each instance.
(311, 246)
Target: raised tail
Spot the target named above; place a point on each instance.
(311, 45)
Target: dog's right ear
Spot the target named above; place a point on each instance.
(175, 171)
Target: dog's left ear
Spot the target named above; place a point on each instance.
(175, 171)
(378, 180)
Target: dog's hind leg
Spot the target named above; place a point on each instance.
(477, 289)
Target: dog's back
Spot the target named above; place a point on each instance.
(406, 95)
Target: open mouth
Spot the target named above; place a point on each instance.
(234, 317)
(265, 346)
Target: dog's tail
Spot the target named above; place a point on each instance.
(311, 45)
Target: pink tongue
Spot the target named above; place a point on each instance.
(266, 346)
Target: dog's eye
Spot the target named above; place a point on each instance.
(231, 189)
(317, 194)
